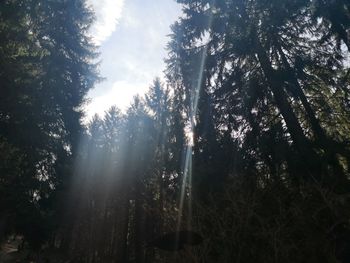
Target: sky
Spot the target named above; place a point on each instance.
(132, 35)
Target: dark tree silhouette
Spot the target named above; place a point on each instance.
(246, 142)
(46, 70)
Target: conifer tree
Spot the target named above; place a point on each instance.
(46, 69)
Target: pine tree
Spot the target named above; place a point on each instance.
(264, 85)
(47, 69)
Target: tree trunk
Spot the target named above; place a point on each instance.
(121, 254)
(139, 255)
(301, 143)
(330, 146)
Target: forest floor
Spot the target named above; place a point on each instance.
(9, 253)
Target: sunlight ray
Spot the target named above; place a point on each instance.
(186, 184)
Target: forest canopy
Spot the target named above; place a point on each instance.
(240, 154)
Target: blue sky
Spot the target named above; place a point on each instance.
(132, 35)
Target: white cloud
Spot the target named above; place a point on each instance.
(108, 13)
(120, 94)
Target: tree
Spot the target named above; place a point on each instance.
(46, 70)
(265, 60)
(259, 81)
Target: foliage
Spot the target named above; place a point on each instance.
(46, 69)
(264, 85)
(247, 142)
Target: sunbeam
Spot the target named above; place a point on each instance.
(174, 131)
(186, 184)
